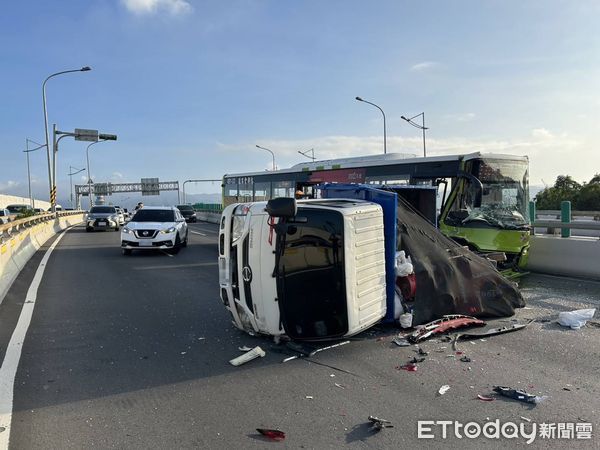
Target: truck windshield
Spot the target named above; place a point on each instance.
(504, 199)
(311, 284)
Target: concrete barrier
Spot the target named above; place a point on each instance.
(210, 217)
(574, 256)
(17, 249)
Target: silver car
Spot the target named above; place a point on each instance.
(102, 218)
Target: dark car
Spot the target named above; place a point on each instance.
(187, 211)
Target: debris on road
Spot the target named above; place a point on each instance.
(408, 367)
(244, 349)
(519, 395)
(445, 388)
(401, 342)
(465, 359)
(275, 435)
(443, 325)
(378, 424)
(416, 360)
(341, 386)
(248, 356)
(310, 350)
(576, 319)
(489, 332)
(485, 399)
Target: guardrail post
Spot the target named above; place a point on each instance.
(532, 214)
(565, 217)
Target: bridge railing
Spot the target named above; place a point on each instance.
(14, 227)
(216, 208)
(564, 219)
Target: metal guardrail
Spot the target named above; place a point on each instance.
(564, 220)
(208, 207)
(9, 229)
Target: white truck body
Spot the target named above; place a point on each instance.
(326, 282)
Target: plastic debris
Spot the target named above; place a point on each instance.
(309, 397)
(275, 435)
(248, 356)
(465, 359)
(244, 349)
(576, 319)
(422, 352)
(443, 389)
(401, 342)
(408, 367)
(416, 360)
(517, 394)
(485, 399)
(341, 386)
(378, 424)
(406, 320)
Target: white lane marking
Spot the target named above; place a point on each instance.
(196, 232)
(8, 371)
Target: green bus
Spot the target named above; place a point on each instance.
(483, 198)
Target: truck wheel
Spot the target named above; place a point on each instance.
(127, 251)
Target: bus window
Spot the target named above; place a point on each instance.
(246, 192)
(283, 189)
(262, 191)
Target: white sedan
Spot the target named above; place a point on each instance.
(155, 228)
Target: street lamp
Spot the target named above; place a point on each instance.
(312, 151)
(272, 154)
(71, 173)
(51, 182)
(27, 141)
(420, 127)
(384, 136)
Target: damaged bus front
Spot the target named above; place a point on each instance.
(311, 270)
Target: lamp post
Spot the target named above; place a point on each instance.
(384, 136)
(312, 151)
(51, 181)
(272, 154)
(420, 127)
(71, 173)
(27, 141)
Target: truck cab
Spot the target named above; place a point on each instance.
(313, 274)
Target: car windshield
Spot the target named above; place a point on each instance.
(16, 208)
(154, 215)
(185, 207)
(102, 210)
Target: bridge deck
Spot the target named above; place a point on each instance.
(133, 352)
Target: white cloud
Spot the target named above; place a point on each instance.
(9, 185)
(541, 133)
(117, 176)
(425, 65)
(461, 117)
(145, 7)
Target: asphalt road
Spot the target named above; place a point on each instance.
(133, 351)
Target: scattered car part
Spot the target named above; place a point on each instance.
(275, 435)
(310, 350)
(248, 356)
(401, 342)
(517, 394)
(408, 367)
(485, 399)
(378, 424)
(416, 360)
(445, 388)
(446, 323)
(465, 359)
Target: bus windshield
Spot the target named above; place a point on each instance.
(505, 195)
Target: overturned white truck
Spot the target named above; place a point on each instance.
(324, 268)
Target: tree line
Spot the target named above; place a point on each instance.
(583, 197)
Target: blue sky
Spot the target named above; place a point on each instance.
(191, 86)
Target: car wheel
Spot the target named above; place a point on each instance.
(117, 228)
(185, 242)
(88, 229)
(127, 251)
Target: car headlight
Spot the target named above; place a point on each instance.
(168, 230)
(126, 230)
